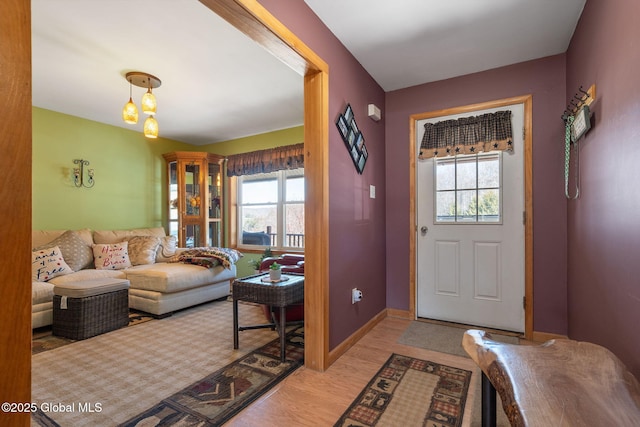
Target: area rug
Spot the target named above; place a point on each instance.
(43, 340)
(131, 369)
(218, 397)
(410, 392)
(442, 338)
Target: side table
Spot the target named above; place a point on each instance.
(279, 294)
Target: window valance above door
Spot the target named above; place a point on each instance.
(265, 161)
(467, 135)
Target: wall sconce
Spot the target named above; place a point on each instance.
(79, 176)
(149, 105)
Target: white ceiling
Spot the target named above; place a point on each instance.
(219, 85)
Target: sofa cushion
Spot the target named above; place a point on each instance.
(42, 237)
(142, 249)
(48, 263)
(76, 251)
(88, 274)
(167, 248)
(175, 277)
(41, 292)
(113, 256)
(116, 236)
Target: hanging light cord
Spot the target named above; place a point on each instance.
(567, 157)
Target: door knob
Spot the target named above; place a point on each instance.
(424, 229)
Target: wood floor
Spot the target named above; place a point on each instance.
(309, 398)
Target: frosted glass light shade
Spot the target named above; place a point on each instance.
(149, 103)
(130, 113)
(151, 127)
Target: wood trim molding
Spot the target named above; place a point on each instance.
(255, 21)
(345, 345)
(541, 337)
(15, 208)
(401, 314)
(528, 195)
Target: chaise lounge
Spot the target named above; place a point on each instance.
(159, 282)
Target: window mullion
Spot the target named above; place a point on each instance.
(280, 210)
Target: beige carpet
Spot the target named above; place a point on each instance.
(131, 369)
(448, 339)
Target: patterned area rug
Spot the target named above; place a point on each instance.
(218, 397)
(43, 340)
(410, 392)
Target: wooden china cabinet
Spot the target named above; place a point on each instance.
(195, 198)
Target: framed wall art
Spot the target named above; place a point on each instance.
(353, 138)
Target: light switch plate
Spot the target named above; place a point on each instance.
(372, 191)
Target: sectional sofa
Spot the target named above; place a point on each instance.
(161, 279)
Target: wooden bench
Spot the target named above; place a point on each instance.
(559, 383)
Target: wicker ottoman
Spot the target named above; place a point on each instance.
(92, 307)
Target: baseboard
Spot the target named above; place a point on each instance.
(355, 337)
(402, 314)
(546, 336)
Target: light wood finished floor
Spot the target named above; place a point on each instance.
(309, 398)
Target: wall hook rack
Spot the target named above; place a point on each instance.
(577, 122)
(583, 97)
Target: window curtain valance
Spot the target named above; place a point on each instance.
(265, 161)
(467, 135)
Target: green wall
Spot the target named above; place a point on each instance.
(262, 141)
(130, 172)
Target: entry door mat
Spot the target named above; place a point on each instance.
(443, 338)
(411, 392)
(218, 397)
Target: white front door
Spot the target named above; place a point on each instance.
(472, 269)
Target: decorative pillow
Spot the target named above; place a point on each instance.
(167, 248)
(48, 263)
(75, 250)
(142, 249)
(113, 256)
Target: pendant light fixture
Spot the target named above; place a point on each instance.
(148, 103)
(130, 111)
(151, 127)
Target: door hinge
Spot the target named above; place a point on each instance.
(524, 132)
(524, 303)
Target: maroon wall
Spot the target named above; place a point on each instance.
(356, 222)
(604, 222)
(545, 80)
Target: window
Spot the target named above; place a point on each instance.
(468, 189)
(271, 209)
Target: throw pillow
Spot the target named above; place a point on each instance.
(113, 256)
(48, 263)
(142, 249)
(167, 248)
(75, 250)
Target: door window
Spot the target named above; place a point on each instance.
(468, 189)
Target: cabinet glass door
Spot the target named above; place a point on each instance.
(192, 189)
(214, 181)
(173, 199)
(192, 235)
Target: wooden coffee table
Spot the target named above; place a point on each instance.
(260, 290)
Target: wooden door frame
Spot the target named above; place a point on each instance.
(15, 208)
(528, 198)
(16, 144)
(249, 17)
